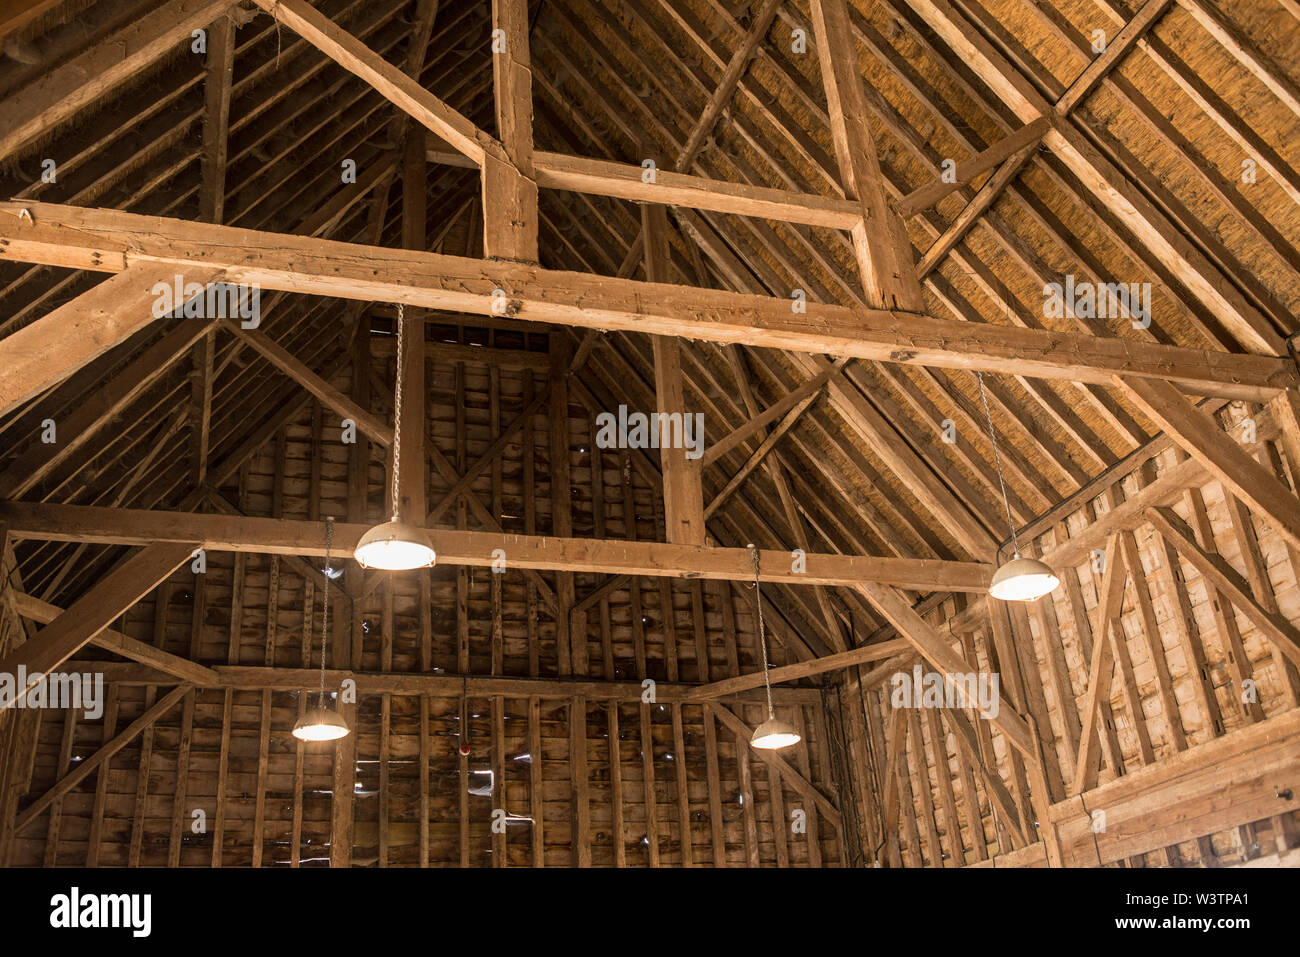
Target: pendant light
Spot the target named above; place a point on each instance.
(396, 545)
(320, 723)
(773, 733)
(1021, 579)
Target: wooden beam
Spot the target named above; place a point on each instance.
(464, 483)
(926, 196)
(1201, 437)
(386, 79)
(764, 447)
(895, 650)
(895, 756)
(682, 476)
(884, 253)
(108, 240)
(59, 94)
(1103, 180)
(412, 499)
(47, 351)
(369, 423)
(1110, 598)
(605, 556)
(216, 119)
(980, 203)
(791, 777)
(1215, 569)
(760, 23)
(776, 410)
(934, 648)
(94, 611)
(1285, 409)
(510, 188)
(31, 607)
(84, 421)
(1116, 49)
(598, 177)
(1241, 777)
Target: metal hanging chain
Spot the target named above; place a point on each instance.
(325, 600)
(997, 462)
(397, 411)
(762, 632)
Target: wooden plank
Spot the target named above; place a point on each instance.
(108, 240)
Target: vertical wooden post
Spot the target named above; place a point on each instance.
(683, 489)
(561, 505)
(509, 184)
(884, 255)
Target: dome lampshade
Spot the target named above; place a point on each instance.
(1023, 579)
(320, 724)
(396, 546)
(773, 734)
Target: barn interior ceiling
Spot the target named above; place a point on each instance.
(650, 432)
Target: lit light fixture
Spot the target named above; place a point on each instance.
(773, 733)
(396, 546)
(320, 723)
(1021, 579)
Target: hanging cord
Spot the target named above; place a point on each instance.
(762, 633)
(325, 613)
(397, 412)
(997, 461)
(464, 712)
